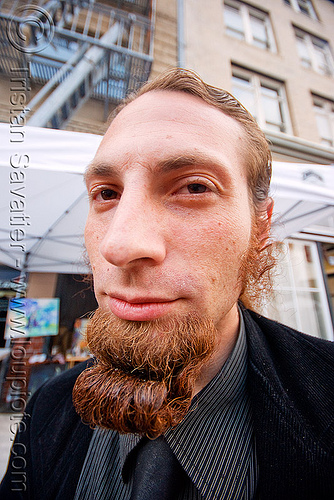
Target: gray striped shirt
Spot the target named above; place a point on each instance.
(214, 444)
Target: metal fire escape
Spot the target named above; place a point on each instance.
(77, 50)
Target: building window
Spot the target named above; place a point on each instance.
(249, 24)
(314, 52)
(300, 299)
(324, 115)
(303, 6)
(264, 98)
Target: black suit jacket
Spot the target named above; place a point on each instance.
(291, 382)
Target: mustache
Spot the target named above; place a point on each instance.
(143, 377)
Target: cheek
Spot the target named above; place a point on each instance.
(213, 255)
(93, 237)
(221, 239)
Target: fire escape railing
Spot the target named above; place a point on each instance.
(96, 51)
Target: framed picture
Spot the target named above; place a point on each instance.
(32, 318)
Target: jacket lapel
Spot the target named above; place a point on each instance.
(59, 449)
(61, 468)
(295, 461)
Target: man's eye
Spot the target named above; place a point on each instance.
(196, 188)
(108, 194)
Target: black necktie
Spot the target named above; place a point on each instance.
(157, 473)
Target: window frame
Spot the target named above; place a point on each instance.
(309, 8)
(324, 107)
(313, 43)
(246, 12)
(257, 82)
(288, 267)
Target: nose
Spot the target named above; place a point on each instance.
(134, 233)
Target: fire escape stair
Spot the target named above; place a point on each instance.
(95, 51)
(74, 91)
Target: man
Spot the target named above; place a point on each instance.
(190, 396)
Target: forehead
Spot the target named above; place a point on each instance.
(162, 124)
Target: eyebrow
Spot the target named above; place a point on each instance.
(98, 169)
(184, 160)
(165, 166)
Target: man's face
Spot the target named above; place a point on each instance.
(170, 218)
(168, 233)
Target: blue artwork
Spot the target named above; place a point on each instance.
(32, 318)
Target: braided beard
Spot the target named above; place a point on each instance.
(143, 377)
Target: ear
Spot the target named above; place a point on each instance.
(266, 225)
(269, 210)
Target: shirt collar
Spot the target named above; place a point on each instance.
(200, 442)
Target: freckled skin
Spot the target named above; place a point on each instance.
(157, 238)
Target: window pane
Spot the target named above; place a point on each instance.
(311, 313)
(303, 53)
(306, 7)
(233, 22)
(270, 100)
(322, 60)
(259, 32)
(324, 127)
(242, 89)
(303, 267)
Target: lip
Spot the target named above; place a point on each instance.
(140, 309)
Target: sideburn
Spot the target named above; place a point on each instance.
(257, 264)
(143, 377)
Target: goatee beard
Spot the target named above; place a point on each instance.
(144, 373)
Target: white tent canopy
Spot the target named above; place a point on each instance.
(303, 195)
(47, 233)
(54, 197)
